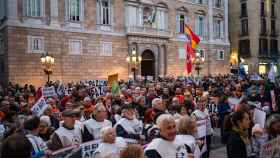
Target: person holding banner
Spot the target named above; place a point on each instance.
(111, 145)
(129, 127)
(98, 121)
(201, 113)
(186, 131)
(67, 134)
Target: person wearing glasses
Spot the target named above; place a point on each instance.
(93, 126)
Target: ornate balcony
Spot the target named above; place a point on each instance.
(148, 31)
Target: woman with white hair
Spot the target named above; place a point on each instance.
(45, 129)
(98, 121)
(111, 145)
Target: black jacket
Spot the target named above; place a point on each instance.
(236, 148)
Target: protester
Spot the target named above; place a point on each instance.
(132, 151)
(129, 127)
(80, 110)
(201, 113)
(93, 126)
(186, 132)
(67, 134)
(238, 140)
(111, 145)
(163, 147)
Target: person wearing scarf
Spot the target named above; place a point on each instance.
(238, 141)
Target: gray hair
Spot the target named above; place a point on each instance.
(164, 118)
(104, 131)
(155, 101)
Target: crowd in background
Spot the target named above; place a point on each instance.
(153, 114)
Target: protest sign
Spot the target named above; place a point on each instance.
(69, 152)
(271, 149)
(112, 78)
(49, 91)
(39, 107)
(259, 117)
(89, 148)
(273, 100)
(201, 128)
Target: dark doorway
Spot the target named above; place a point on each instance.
(148, 63)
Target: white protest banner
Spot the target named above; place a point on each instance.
(271, 149)
(69, 152)
(89, 148)
(39, 107)
(201, 128)
(259, 117)
(273, 100)
(49, 91)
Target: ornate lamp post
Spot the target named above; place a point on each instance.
(48, 62)
(133, 59)
(198, 62)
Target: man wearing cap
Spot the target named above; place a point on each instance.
(129, 127)
(67, 134)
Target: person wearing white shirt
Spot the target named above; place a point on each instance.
(201, 113)
(93, 126)
(111, 145)
(186, 130)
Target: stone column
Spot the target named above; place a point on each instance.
(162, 60)
(210, 19)
(54, 12)
(226, 20)
(12, 6)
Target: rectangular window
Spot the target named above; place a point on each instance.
(182, 53)
(3, 9)
(244, 27)
(106, 49)
(200, 26)
(262, 9)
(263, 46)
(75, 47)
(2, 45)
(218, 3)
(273, 14)
(274, 46)
(218, 28)
(263, 26)
(74, 10)
(273, 28)
(220, 55)
(34, 8)
(244, 48)
(104, 12)
(244, 10)
(182, 24)
(35, 44)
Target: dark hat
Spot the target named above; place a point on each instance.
(69, 113)
(127, 106)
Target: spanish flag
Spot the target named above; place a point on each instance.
(193, 37)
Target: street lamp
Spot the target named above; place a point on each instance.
(48, 62)
(133, 59)
(198, 62)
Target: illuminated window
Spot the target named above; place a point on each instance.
(262, 68)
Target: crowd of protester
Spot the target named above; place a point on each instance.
(160, 115)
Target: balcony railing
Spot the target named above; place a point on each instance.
(147, 31)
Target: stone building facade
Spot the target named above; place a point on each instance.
(254, 33)
(90, 39)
